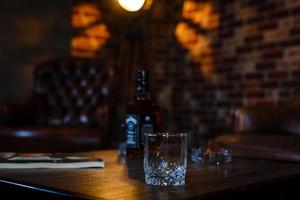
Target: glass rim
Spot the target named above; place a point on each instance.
(167, 134)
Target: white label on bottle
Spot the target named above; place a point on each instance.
(131, 130)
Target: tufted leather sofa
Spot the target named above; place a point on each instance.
(70, 108)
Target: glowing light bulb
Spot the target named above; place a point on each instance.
(131, 5)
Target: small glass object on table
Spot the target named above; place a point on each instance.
(165, 159)
(213, 154)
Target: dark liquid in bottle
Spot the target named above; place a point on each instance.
(143, 116)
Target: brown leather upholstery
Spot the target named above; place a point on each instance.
(71, 105)
(267, 119)
(265, 131)
(73, 92)
(257, 119)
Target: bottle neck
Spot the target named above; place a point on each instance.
(142, 92)
(141, 87)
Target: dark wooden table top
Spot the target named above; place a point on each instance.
(125, 180)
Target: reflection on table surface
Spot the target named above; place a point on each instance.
(124, 178)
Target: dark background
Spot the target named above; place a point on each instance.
(254, 55)
(31, 31)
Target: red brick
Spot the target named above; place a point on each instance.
(272, 54)
(224, 70)
(290, 42)
(235, 95)
(279, 14)
(227, 17)
(265, 65)
(256, 19)
(264, 46)
(257, 94)
(206, 103)
(295, 10)
(254, 75)
(230, 60)
(244, 49)
(295, 31)
(278, 75)
(284, 93)
(233, 77)
(269, 84)
(268, 26)
(256, 2)
(226, 86)
(296, 73)
(224, 104)
(209, 87)
(255, 38)
(290, 84)
(249, 85)
(270, 6)
(226, 34)
(234, 24)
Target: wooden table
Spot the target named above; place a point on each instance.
(242, 179)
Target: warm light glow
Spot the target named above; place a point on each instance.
(201, 14)
(199, 45)
(131, 5)
(92, 39)
(92, 34)
(84, 15)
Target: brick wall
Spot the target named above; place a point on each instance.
(255, 53)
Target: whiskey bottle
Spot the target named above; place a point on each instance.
(143, 116)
